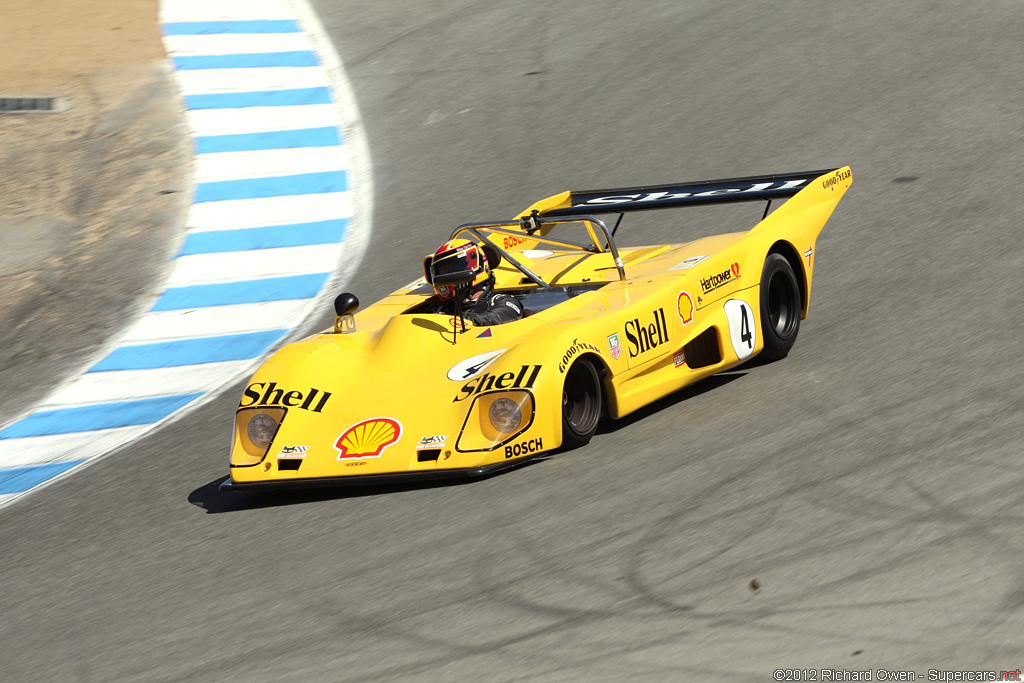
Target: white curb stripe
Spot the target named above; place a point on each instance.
(205, 269)
(209, 81)
(267, 163)
(224, 10)
(159, 326)
(253, 213)
(124, 385)
(53, 448)
(259, 119)
(243, 43)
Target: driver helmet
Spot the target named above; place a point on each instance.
(459, 255)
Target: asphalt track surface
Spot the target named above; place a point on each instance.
(854, 506)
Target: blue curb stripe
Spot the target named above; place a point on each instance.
(282, 139)
(249, 292)
(21, 479)
(262, 98)
(277, 186)
(189, 351)
(273, 237)
(247, 61)
(198, 28)
(92, 418)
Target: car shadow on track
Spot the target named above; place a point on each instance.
(209, 497)
(692, 391)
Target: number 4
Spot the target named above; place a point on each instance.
(742, 327)
(745, 334)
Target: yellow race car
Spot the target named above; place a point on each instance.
(399, 391)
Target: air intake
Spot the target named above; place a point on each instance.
(703, 349)
(428, 455)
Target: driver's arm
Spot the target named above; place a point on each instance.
(500, 308)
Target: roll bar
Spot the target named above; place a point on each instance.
(528, 225)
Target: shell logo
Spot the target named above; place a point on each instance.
(368, 439)
(685, 306)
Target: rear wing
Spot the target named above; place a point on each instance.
(618, 200)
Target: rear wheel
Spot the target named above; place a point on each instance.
(780, 307)
(581, 404)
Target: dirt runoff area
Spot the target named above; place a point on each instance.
(93, 199)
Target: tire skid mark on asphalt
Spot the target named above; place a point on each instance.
(266, 104)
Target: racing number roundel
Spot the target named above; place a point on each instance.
(742, 329)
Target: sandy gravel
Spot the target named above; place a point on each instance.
(92, 200)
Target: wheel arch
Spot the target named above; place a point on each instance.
(580, 414)
(789, 252)
(605, 375)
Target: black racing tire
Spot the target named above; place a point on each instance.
(581, 404)
(780, 308)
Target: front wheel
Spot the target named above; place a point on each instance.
(780, 307)
(581, 404)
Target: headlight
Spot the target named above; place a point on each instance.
(502, 414)
(261, 430)
(255, 429)
(505, 415)
(494, 419)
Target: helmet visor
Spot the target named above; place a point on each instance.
(458, 261)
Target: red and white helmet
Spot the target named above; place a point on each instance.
(457, 256)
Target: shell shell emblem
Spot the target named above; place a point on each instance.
(685, 306)
(368, 439)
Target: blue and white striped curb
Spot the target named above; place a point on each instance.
(272, 217)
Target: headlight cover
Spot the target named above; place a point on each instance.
(494, 419)
(261, 429)
(255, 429)
(505, 415)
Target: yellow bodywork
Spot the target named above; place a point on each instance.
(388, 392)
